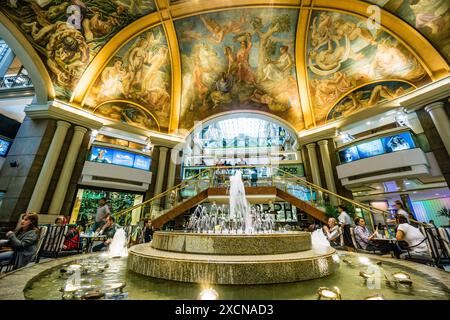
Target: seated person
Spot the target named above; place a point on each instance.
(147, 231)
(108, 229)
(72, 240)
(23, 242)
(412, 236)
(333, 232)
(366, 240)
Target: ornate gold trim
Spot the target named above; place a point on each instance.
(105, 54)
(431, 60)
(301, 41)
(32, 54)
(132, 103)
(342, 97)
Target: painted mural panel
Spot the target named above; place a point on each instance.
(239, 60)
(343, 53)
(68, 34)
(367, 96)
(140, 72)
(429, 17)
(128, 113)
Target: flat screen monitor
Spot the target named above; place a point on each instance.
(4, 147)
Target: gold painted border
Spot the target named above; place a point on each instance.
(132, 103)
(363, 85)
(32, 53)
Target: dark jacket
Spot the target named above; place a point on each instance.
(24, 245)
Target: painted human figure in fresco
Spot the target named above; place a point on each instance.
(222, 94)
(280, 68)
(231, 60)
(432, 14)
(152, 65)
(328, 90)
(244, 72)
(200, 88)
(218, 32)
(114, 79)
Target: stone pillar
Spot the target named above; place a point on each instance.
(326, 162)
(41, 187)
(161, 169)
(441, 122)
(314, 163)
(67, 170)
(172, 168)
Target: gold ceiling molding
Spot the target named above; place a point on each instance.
(301, 45)
(431, 60)
(100, 61)
(166, 13)
(33, 56)
(175, 64)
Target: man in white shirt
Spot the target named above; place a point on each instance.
(412, 236)
(400, 210)
(102, 213)
(332, 232)
(345, 222)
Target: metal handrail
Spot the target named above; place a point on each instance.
(353, 202)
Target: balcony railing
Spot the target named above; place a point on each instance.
(18, 81)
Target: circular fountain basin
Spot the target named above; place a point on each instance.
(232, 259)
(232, 244)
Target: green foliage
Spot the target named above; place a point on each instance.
(282, 23)
(444, 212)
(331, 211)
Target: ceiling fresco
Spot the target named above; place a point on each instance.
(430, 17)
(185, 61)
(69, 34)
(239, 59)
(139, 72)
(343, 53)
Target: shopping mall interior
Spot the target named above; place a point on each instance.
(251, 149)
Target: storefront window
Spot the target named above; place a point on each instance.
(86, 204)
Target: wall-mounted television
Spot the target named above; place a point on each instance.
(4, 147)
(120, 158)
(371, 148)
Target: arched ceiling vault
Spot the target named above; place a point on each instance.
(196, 66)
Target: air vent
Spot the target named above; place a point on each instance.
(378, 173)
(117, 180)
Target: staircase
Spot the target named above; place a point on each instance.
(214, 182)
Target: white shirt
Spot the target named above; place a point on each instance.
(344, 218)
(101, 213)
(413, 237)
(403, 213)
(333, 233)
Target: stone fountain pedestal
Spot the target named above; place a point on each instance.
(232, 258)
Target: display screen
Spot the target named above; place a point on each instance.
(4, 147)
(389, 144)
(142, 162)
(120, 158)
(370, 149)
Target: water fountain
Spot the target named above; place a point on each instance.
(238, 247)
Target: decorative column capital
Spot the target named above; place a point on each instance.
(434, 105)
(323, 143)
(63, 124)
(311, 145)
(82, 130)
(163, 149)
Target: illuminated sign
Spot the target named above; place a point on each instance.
(120, 158)
(4, 147)
(393, 143)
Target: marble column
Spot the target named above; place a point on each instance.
(41, 187)
(328, 170)
(314, 163)
(439, 116)
(67, 170)
(172, 168)
(161, 169)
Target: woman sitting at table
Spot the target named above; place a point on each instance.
(367, 241)
(22, 242)
(412, 236)
(108, 229)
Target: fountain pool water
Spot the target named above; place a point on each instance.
(352, 286)
(118, 246)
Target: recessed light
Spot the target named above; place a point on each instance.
(436, 194)
(407, 183)
(368, 123)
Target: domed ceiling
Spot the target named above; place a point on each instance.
(164, 65)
